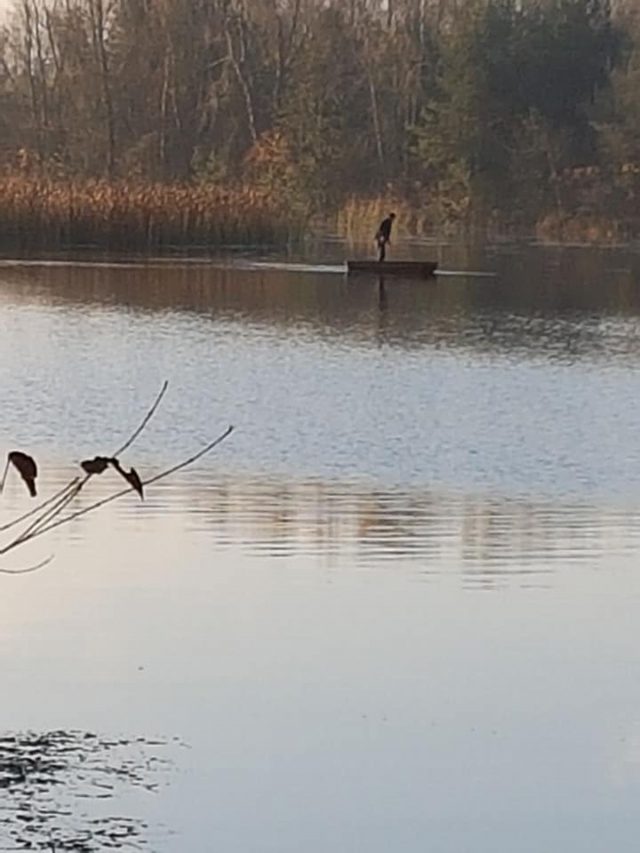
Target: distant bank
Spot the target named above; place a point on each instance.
(38, 214)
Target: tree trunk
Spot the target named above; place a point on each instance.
(28, 61)
(244, 86)
(376, 123)
(96, 8)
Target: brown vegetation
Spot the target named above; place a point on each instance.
(358, 218)
(310, 102)
(38, 213)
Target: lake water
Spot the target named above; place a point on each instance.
(396, 610)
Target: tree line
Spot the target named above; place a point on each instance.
(471, 109)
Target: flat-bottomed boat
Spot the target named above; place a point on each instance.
(404, 269)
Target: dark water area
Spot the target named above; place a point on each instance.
(395, 610)
(59, 789)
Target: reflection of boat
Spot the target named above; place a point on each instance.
(407, 269)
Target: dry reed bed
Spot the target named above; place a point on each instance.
(44, 214)
(358, 218)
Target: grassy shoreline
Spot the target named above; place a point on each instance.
(358, 219)
(42, 215)
(38, 214)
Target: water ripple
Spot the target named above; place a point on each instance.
(54, 783)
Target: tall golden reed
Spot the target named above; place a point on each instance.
(358, 218)
(37, 213)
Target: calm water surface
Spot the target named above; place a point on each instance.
(397, 610)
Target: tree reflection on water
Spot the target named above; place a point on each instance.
(55, 782)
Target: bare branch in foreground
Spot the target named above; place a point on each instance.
(52, 512)
(29, 569)
(161, 476)
(38, 508)
(48, 515)
(144, 421)
(88, 467)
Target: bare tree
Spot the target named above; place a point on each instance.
(98, 13)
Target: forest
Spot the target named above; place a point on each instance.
(516, 115)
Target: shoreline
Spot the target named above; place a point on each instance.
(43, 216)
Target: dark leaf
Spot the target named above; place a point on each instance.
(135, 481)
(26, 467)
(130, 476)
(96, 465)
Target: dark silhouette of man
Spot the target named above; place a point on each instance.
(383, 235)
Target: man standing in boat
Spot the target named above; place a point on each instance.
(383, 235)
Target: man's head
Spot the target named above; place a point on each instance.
(392, 216)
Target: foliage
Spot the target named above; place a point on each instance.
(511, 105)
(475, 112)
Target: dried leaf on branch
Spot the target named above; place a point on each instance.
(26, 466)
(51, 513)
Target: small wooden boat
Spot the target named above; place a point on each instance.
(405, 269)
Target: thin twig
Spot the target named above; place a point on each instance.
(47, 516)
(166, 473)
(29, 569)
(144, 421)
(72, 489)
(38, 508)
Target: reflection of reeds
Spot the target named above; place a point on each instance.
(43, 214)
